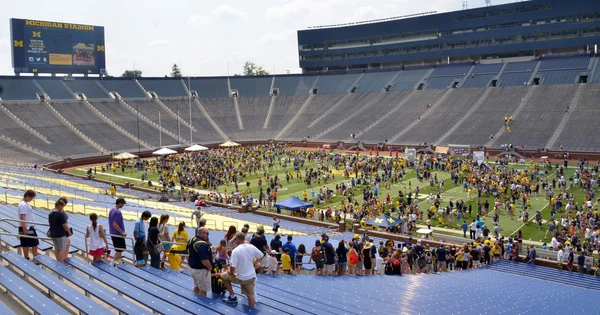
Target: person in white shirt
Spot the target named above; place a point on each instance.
(245, 259)
(26, 214)
(379, 268)
(561, 254)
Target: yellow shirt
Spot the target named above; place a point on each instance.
(286, 262)
(174, 261)
(180, 237)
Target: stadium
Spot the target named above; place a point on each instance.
(430, 121)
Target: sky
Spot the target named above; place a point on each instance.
(206, 38)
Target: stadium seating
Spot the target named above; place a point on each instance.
(209, 87)
(442, 118)
(489, 117)
(127, 88)
(205, 132)
(375, 81)
(284, 109)
(559, 76)
(565, 63)
(55, 89)
(520, 66)
(18, 89)
(533, 127)
(441, 82)
(408, 80)
(477, 81)
(164, 87)
(88, 87)
(122, 116)
(39, 117)
(318, 106)
(481, 68)
(86, 121)
(222, 112)
(253, 111)
(294, 84)
(410, 111)
(252, 86)
(336, 83)
(451, 70)
(514, 78)
(580, 132)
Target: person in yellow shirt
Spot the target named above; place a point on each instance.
(180, 237)
(174, 261)
(286, 262)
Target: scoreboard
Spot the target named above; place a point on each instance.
(57, 47)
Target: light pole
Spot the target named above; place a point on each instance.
(190, 105)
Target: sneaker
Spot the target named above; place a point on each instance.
(230, 299)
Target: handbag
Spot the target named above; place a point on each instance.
(158, 248)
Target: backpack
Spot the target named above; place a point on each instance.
(428, 259)
(316, 254)
(396, 262)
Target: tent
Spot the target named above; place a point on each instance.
(229, 144)
(125, 156)
(384, 221)
(196, 147)
(293, 204)
(164, 151)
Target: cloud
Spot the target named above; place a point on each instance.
(368, 13)
(198, 20)
(303, 7)
(225, 10)
(160, 43)
(277, 38)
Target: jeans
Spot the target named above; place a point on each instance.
(138, 250)
(154, 260)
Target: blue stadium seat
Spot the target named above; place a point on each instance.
(156, 299)
(124, 306)
(4, 310)
(181, 290)
(30, 297)
(68, 294)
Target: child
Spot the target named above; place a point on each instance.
(379, 265)
(273, 265)
(286, 262)
(97, 237)
(175, 261)
(428, 261)
(222, 252)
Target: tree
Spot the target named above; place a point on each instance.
(132, 74)
(251, 69)
(175, 71)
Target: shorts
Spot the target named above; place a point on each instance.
(441, 265)
(343, 265)
(60, 243)
(246, 285)
(118, 244)
(201, 279)
(319, 265)
(97, 252)
(29, 242)
(330, 268)
(167, 247)
(181, 252)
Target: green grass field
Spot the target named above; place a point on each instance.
(295, 188)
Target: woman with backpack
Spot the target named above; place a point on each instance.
(317, 257)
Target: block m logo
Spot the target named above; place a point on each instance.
(37, 34)
(100, 48)
(18, 43)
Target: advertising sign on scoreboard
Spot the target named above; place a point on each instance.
(56, 47)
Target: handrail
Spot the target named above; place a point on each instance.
(22, 236)
(23, 221)
(124, 237)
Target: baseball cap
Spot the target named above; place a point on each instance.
(120, 200)
(202, 220)
(356, 236)
(273, 252)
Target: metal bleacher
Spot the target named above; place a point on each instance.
(164, 87)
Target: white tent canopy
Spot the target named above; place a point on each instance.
(196, 147)
(164, 151)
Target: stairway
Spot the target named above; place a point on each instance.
(212, 122)
(380, 119)
(146, 119)
(514, 114)
(332, 108)
(573, 106)
(427, 112)
(464, 118)
(375, 99)
(168, 110)
(115, 125)
(293, 120)
(23, 124)
(68, 124)
(273, 98)
(29, 148)
(236, 107)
